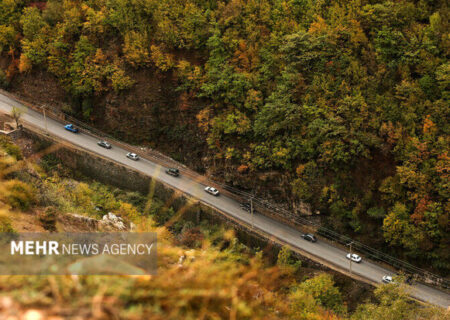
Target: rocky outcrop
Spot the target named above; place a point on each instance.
(109, 222)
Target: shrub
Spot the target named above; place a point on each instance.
(5, 224)
(376, 212)
(120, 81)
(82, 196)
(135, 49)
(162, 60)
(192, 237)
(10, 148)
(323, 290)
(285, 259)
(159, 212)
(48, 218)
(17, 194)
(128, 211)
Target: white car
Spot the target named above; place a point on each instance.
(132, 156)
(212, 191)
(354, 257)
(387, 279)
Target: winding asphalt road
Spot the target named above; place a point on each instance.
(275, 229)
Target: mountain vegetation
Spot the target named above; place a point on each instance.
(204, 271)
(348, 101)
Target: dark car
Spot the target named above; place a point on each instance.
(104, 144)
(173, 172)
(246, 207)
(71, 128)
(309, 237)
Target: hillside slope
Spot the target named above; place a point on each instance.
(343, 104)
(203, 270)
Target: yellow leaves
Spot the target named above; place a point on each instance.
(128, 211)
(318, 26)
(7, 37)
(6, 161)
(135, 49)
(232, 153)
(5, 221)
(247, 156)
(399, 231)
(203, 118)
(190, 73)
(281, 153)
(324, 291)
(357, 36)
(443, 165)
(99, 57)
(229, 234)
(17, 194)
(94, 23)
(197, 74)
(412, 178)
(303, 306)
(120, 81)
(300, 170)
(147, 224)
(183, 66)
(163, 61)
(82, 195)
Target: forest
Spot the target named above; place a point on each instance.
(343, 105)
(204, 270)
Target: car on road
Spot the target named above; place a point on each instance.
(173, 172)
(409, 279)
(387, 279)
(309, 237)
(104, 144)
(132, 156)
(354, 257)
(246, 206)
(70, 127)
(212, 191)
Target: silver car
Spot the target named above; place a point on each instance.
(212, 191)
(104, 144)
(132, 156)
(387, 279)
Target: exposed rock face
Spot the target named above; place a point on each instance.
(72, 222)
(109, 222)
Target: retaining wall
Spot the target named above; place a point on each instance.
(121, 176)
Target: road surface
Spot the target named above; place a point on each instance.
(285, 233)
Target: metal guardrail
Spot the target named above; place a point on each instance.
(239, 195)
